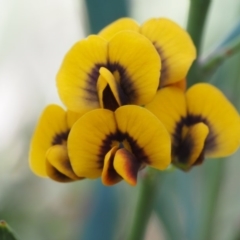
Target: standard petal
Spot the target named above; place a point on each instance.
(169, 106)
(58, 165)
(174, 46)
(119, 25)
(146, 135)
(51, 129)
(208, 104)
(137, 62)
(77, 77)
(109, 174)
(89, 141)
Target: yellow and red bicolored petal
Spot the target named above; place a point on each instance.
(191, 149)
(109, 174)
(127, 165)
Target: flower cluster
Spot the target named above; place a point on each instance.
(128, 107)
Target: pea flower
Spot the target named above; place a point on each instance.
(202, 123)
(48, 151)
(173, 44)
(116, 145)
(99, 73)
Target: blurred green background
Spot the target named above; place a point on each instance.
(203, 204)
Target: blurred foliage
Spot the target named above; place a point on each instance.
(5, 232)
(103, 12)
(103, 215)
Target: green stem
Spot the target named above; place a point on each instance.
(214, 192)
(196, 22)
(210, 63)
(147, 193)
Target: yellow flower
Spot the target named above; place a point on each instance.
(173, 44)
(99, 73)
(48, 151)
(116, 145)
(202, 123)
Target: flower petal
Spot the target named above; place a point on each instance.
(77, 77)
(110, 93)
(191, 146)
(72, 117)
(148, 138)
(126, 165)
(51, 129)
(174, 46)
(90, 140)
(109, 174)
(59, 167)
(117, 26)
(137, 62)
(169, 106)
(208, 104)
(182, 84)
(54, 174)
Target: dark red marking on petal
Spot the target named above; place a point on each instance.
(109, 101)
(120, 137)
(164, 68)
(55, 175)
(91, 83)
(60, 138)
(111, 177)
(182, 148)
(128, 92)
(126, 89)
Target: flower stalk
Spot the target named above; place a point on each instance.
(213, 199)
(148, 190)
(196, 21)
